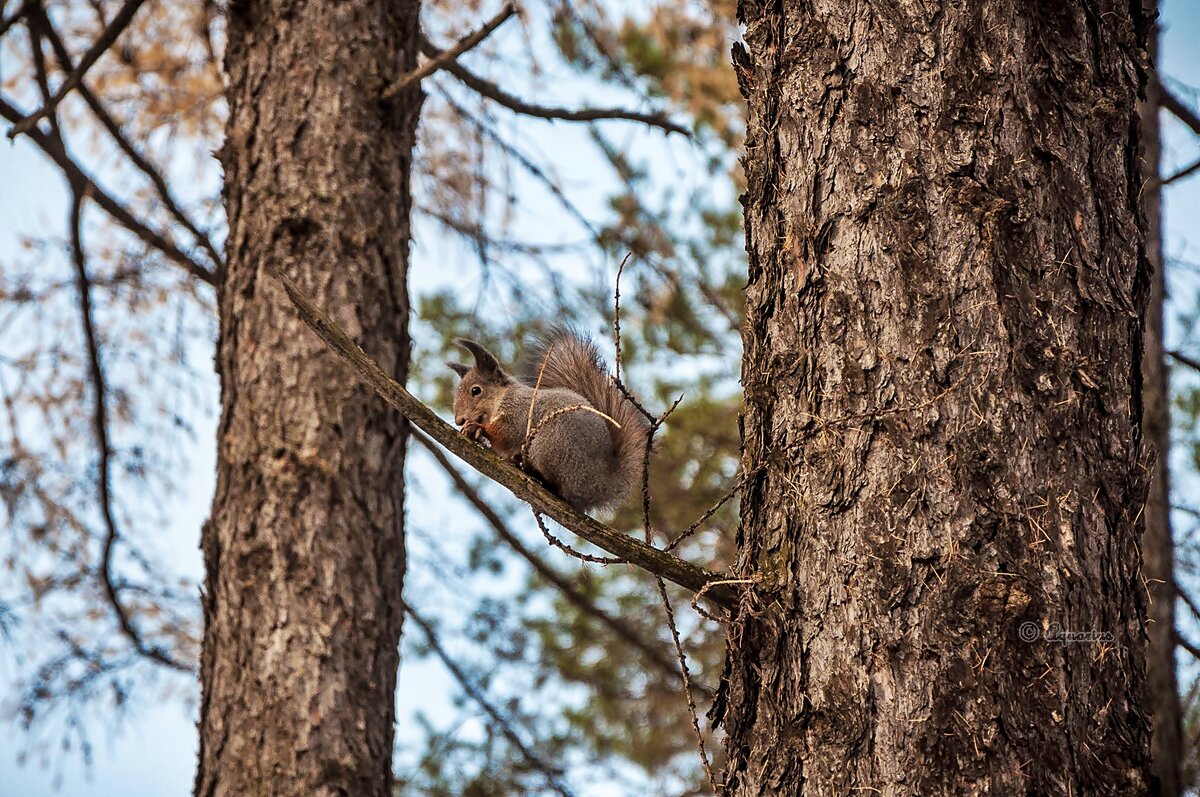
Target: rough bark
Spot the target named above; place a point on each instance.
(942, 382)
(304, 549)
(1158, 547)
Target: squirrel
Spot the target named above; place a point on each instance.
(588, 440)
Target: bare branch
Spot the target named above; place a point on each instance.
(515, 104)
(1188, 646)
(446, 57)
(569, 551)
(1182, 173)
(551, 774)
(621, 629)
(122, 140)
(527, 163)
(106, 40)
(1184, 359)
(21, 11)
(486, 462)
(712, 510)
(687, 685)
(1180, 111)
(120, 214)
(100, 424)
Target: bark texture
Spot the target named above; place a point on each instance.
(304, 549)
(1157, 544)
(943, 392)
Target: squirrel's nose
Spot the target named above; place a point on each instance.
(458, 420)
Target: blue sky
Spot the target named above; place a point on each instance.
(151, 753)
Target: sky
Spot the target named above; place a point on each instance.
(152, 752)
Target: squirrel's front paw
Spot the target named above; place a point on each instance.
(472, 430)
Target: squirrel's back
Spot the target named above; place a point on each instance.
(565, 359)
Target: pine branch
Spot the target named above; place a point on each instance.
(486, 462)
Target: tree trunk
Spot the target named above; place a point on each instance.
(304, 549)
(942, 402)
(1157, 544)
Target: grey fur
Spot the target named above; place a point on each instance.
(587, 460)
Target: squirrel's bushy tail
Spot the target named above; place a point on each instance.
(573, 362)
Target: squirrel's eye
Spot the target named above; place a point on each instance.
(475, 391)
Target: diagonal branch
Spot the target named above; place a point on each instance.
(621, 629)
(493, 92)
(56, 151)
(1177, 108)
(486, 462)
(107, 37)
(8, 22)
(1187, 171)
(552, 774)
(1184, 359)
(445, 58)
(122, 140)
(1190, 647)
(100, 424)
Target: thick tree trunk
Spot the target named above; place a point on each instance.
(1157, 544)
(305, 549)
(942, 402)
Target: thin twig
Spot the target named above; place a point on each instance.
(1190, 647)
(712, 510)
(616, 625)
(107, 37)
(696, 598)
(1184, 359)
(124, 143)
(527, 163)
(5, 24)
(655, 424)
(1177, 108)
(446, 57)
(57, 153)
(563, 411)
(567, 549)
(493, 92)
(100, 424)
(1187, 600)
(687, 686)
(532, 403)
(617, 318)
(1182, 173)
(552, 774)
(488, 463)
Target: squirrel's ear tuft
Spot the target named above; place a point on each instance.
(459, 369)
(485, 362)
